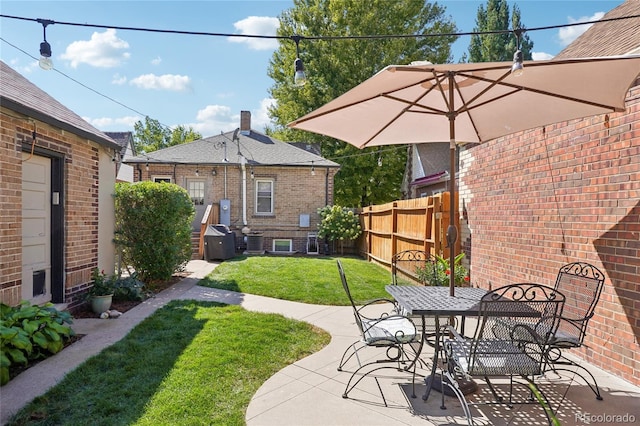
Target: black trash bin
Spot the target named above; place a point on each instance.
(219, 243)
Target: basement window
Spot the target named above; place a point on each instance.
(282, 246)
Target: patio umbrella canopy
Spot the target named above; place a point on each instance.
(471, 103)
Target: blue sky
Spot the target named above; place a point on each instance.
(198, 81)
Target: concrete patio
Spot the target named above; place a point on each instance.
(309, 392)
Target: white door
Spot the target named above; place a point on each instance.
(36, 229)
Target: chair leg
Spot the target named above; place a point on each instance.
(594, 387)
(343, 361)
(453, 385)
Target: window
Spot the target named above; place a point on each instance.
(196, 191)
(264, 196)
(166, 179)
(282, 246)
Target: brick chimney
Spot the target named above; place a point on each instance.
(245, 122)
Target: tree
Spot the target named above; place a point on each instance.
(152, 135)
(372, 175)
(498, 47)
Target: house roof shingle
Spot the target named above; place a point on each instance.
(19, 94)
(257, 148)
(620, 37)
(124, 139)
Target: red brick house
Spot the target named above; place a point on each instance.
(57, 175)
(538, 199)
(266, 191)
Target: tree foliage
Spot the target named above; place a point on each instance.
(372, 175)
(153, 228)
(152, 135)
(498, 47)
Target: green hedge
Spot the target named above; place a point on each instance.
(153, 228)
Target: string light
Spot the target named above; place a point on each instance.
(45, 61)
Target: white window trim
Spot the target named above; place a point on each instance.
(280, 240)
(204, 189)
(271, 208)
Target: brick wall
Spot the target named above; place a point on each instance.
(296, 192)
(568, 192)
(80, 195)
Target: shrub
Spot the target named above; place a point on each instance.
(128, 288)
(153, 228)
(440, 277)
(29, 332)
(338, 224)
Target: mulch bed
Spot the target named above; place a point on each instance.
(84, 310)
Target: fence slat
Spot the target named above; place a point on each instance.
(415, 224)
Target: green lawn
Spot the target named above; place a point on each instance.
(190, 363)
(195, 363)
(301, 279)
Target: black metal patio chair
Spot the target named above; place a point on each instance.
(410, 265)
(390, 330)
(581, 283)
(407, 264)
(515, 325)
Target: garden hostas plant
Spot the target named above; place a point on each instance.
(29, 332)
(338, 224)
(439, 275)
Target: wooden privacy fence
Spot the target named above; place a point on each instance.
(416, 224)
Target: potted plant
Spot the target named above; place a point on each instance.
(439, 275)
(101, 293)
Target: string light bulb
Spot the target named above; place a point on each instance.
(517, 69)
(299, 78)
(45, 61)
(313, 169)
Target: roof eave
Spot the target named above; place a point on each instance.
(45, 118)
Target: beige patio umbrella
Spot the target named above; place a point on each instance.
(471, 103)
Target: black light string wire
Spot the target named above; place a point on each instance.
(319, 37)
(295, 38)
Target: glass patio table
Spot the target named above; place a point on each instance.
(436, 302)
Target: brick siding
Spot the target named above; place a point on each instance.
(80, 204)
(296, 192)
(567, 192)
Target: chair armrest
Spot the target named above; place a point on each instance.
(393, 310)
(453, 332)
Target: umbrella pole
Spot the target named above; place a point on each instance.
(452, 231)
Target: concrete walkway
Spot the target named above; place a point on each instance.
(309, 392)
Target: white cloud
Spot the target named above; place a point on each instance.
(172, 82)
(260, 117)
(156, 61)
(213, 119)
(104, 50)
(24, 69)
(541, 56)
(257, 25)
(118, 79)
(566, 35)
(109, 123)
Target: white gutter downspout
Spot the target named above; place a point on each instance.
(243, 163)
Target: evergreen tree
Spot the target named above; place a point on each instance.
(333, 66)
(501, 46)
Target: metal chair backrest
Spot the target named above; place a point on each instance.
(356, 313)
(406, 262)
(581, 284)
(526, 315)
